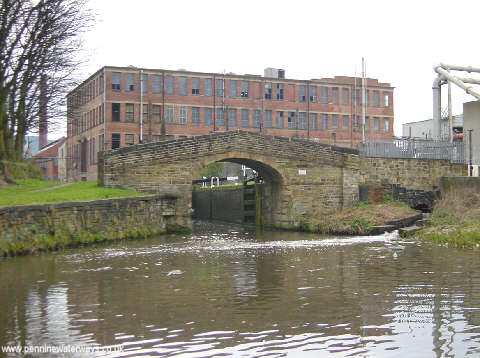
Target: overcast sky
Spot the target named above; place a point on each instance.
(401, 41)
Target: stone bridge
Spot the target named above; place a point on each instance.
(302, 178)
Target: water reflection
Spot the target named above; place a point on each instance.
(232, 290)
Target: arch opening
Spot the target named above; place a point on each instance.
(241, 202)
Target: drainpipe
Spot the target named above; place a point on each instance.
(437, 103)
(141, 106)
(104, 110)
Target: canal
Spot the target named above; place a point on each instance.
(231, 290)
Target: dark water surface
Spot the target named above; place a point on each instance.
(229, 290)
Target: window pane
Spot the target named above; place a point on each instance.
(130, 80)
(313, 121)
(334, 121)
(157, 84)
(345, 96)
(244, 117)
(195, 115)
(386, 125)
(182, 115)
(182, 85)
(324, 95)
(220, 117)
(219, 87)
(313, 94)
(156, 113)
(279, 120)
(244, 92)
(207, 87)
(195, 86)
(280, 92)
(268, 90)
(345, 123)
(115, 112)
(129, 112)
(144, 83)
(116, 78)
(256, 118)
(268, 119)
(291, 120)
(302, 120)
(169, 84)
(302, 93)
(324, 121)
(169, 114)
(233, 88)
(335, 95)
(232, 117)
(208, 116)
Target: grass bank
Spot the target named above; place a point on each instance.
(360, 219)
(36, 191)
(455, 220)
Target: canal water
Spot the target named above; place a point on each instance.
(231, 290)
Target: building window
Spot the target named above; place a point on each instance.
(182, 86)
(156, 113)
(324, 121)
(195, 86)
(145, 113)
(334, 121)
(144, 83)
(335, 95)
(115, 112)
(169, 85)
(157, 138)
(324, 95)
(244, 117)
(356, 124)
(220, 117)
(376, 99)
(345, 96)
(376, 124)
(302, 120)
(182, 115)
(268, 119)
(208, 116)
(116, 78)
(233, 88)
(302, 93)
(367, 124)
(207, 86)
(356, 97)
(313, 94)
(115, 140)
(244, 92)
(232, 117)
(280, 93)
(219, 86)
(156, 84)
(291, 120)
(129, 139)
(130, 80)
(268, 90)
(386, 99)
(169, 114)
(256, 118)
(195, 115)
(386, 125)
(313, 121)
(279, 119)
(129, 112)
(345, 123)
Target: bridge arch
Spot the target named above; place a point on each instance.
(267, 168)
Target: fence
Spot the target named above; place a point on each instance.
(456, 152)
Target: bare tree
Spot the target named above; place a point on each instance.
(38, 39)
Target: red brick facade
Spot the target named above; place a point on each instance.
(181, 103)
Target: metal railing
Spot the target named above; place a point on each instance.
(415, 148)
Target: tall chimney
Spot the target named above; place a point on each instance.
(42, 114)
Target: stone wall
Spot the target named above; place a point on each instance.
(423, 174)
(113, 218)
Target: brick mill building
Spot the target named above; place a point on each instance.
(120, 106)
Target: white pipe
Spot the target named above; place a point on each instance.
(459, 68)
(437, 103)
(446, 75)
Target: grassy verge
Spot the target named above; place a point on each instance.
(359, 219)
(33, 191)
(455, 220)
(44, 243)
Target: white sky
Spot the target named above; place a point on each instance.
(401, 41)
